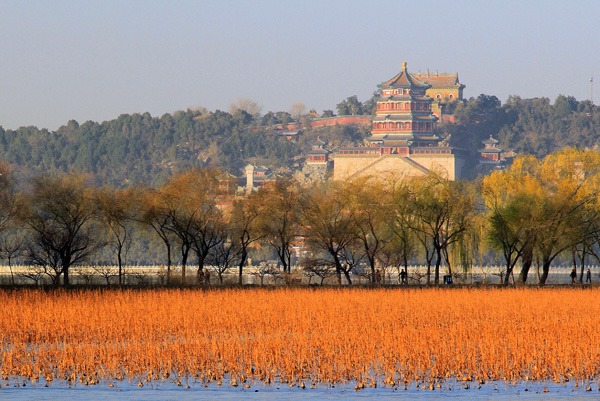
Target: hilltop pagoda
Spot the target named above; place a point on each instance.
(491, 150)
(403, 139)
(403, 116)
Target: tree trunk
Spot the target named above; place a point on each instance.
(438, 262)
(428, 273)
(507, 276)
(347, 275)
(406, 268)
(545, 270)
(526, 261)
(447, 259)
(12, 276)
(120, 262)
(168, 245)
(66, 276)
(243, 258)
(372, 266)
(184, 256)
(200, 274)
(583, 255)
(338, 269)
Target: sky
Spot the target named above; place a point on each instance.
(94, 60)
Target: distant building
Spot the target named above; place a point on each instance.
(290, 135)
(257, 177)
(313, 114)
(227, 185)
(443, 89)
(491, 151)
(490, 157)
(317, 164)
(442, 86)
(318, 155)
(403, 139)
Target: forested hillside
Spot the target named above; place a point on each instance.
(532, 126)
(139, 148)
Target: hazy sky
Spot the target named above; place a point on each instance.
(93, 60)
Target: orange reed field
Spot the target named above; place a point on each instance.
(229, 337)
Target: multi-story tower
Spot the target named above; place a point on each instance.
(403, 140)
(403, 117)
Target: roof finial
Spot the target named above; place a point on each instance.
(404, 66)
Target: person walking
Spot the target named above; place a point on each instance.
(573, 276)
(588, 276)
(403, 277)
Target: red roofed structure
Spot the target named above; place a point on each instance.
(491, 150)
(442, 86)
(403, 139)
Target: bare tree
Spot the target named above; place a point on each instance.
(224, 254)
(10, 203)
(318, 267)
(153, 213)
(441, 212)
(190, 204)
(11, 247)
(247, 105)
(263, 271)
(36, 273)
(242, 223)
(61, 218)
(108, 272)
(278, 223)
(370, 218)
(117, 214)
(329, 224)
(298, 110)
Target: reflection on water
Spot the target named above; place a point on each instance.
(125, 391)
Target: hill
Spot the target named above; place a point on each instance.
(139, 148)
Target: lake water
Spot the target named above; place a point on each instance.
(167, 391)
(153, 275)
